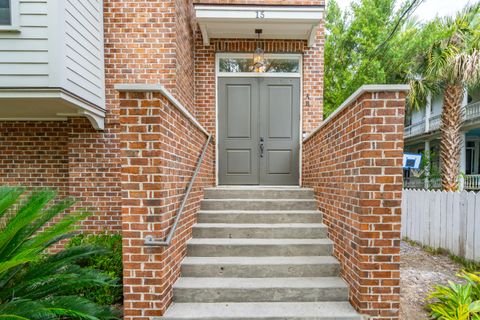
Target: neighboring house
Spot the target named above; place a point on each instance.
(422, 135)
(139, 108)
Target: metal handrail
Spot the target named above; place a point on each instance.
(150, 240)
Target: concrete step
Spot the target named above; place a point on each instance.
(257, 230)
(239, 216)
(213, 290)
(259, 204)
(259, 193)
(260, 267)
(262, 310)
(220, 247)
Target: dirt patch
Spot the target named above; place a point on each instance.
(420, 271)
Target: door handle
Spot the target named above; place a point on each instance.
(262, 147)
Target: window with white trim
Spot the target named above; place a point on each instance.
(243, 64)
(5, 13)
(274, 65)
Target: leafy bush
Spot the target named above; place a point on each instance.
(457, 301)
(36, 284)
(110, 264)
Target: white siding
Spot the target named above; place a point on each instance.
(84, 49)
(437, 105)
(24, 55)
(59, 44)
(418, 116)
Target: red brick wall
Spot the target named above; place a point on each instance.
(149, 41)
(34, 154)
(94, 174)
(205, 81)
(69, 156)
(354, 162)
(160, 149)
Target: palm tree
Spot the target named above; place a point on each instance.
(36, 284)
(451, 64)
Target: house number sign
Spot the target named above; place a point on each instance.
(260, 14)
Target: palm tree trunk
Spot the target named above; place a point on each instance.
(450, 145)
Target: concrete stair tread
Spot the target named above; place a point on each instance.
(258, 200)
(256, 241)
(259, 283)
(259, 211)
(282, 260)
(260, 225)
(254, 188)
(263, 310)
(259, 193)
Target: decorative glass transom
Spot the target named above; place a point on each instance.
(244, 63)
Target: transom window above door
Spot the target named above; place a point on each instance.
(243, 64)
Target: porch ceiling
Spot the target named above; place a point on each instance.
(240, 22)
(42, 104)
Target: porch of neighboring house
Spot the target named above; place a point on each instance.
(422, 136)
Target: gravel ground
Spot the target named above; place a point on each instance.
(420, 271)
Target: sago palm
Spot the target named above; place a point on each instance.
(451, 64)
(35, 284)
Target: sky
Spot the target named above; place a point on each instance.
(430, 8)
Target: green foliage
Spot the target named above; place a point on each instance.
(110, 264)
(431, 250)
(468, 265)
(372, 42)
(457, 301)
(35, 284)
(452, 57)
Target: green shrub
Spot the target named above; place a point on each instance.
(34, 283)
(109, 264)
(457, 301)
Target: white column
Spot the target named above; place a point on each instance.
(463, 160)
(465, 97)
(477, 158)
(427, 168)
(428, 112)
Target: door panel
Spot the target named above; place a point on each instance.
(238, 111)
(279, 127)
(251, 110)
(279, 111)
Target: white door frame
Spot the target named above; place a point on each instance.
(219, 74)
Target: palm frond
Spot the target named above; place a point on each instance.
(35, 284)
(8, 196)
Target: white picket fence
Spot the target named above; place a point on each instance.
(439, 219)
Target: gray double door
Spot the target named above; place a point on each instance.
(259, 131)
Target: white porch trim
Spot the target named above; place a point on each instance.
(277, 22)
(41, 104)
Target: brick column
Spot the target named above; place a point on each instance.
(354, 163)
(160, 148)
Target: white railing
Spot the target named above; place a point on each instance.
(415, 129)
(472, 182)
(413, 183)
(447, 220)
(435, 123)
(419, 183)
(472, 111)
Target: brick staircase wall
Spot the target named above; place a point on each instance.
(160, 149)
(354, 163)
